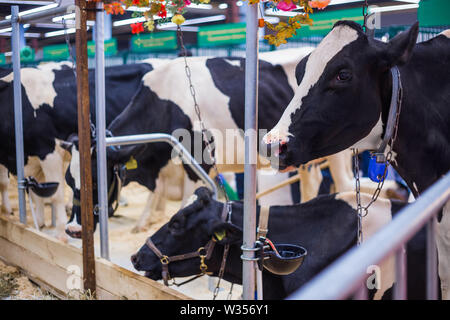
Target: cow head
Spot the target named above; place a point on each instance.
(115, 178)
(188, 230)
(342, 97)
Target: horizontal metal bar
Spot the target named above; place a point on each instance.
(39, 15)
(176, 145)
(343, 277)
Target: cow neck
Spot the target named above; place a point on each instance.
(406, 156)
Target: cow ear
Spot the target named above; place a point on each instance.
(401, 47)
(225, 233)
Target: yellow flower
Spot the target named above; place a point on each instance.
(205, 1)
(178, 19)
(150, 25)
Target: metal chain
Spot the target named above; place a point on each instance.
(207, 141)
(69, 46)
(198, 112)
(363, 211)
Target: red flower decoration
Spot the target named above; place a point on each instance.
(137, 28)
(136, 2)
(163, 12)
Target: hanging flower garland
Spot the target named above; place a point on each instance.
(162, 11)
(285, 30)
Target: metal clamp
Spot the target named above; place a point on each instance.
(243, 248)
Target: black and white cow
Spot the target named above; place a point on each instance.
(325, 226)
(163, 105)
(50, 116)
(343, 100)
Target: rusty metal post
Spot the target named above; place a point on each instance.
(84, 134)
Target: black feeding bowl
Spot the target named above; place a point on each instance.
(289, 259)
(43, 190)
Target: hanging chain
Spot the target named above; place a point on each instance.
(363, 211)
(207, 141)
(198, 112)
(69, 46)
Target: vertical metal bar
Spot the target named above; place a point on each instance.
(18, 120)
(251, 126)
(400, 274)
(101, 129)
(259, 284)
(432, 269)
(84, 134)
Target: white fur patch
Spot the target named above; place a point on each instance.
(373, 140)
(213, 103)
(380, 214)
(445, 33)
(331, 45)
(75, 167)
(190, 200)
(288, 59)
(234, 63)
(73, 226)
(38, 84)
(155, 62)
(46, 66)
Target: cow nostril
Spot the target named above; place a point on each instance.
(134, 259)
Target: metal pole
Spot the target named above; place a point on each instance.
(401, 282)
(18, 120)
(251, 137)
(348, 271)
(101, 129)
(84, 134)
(186, 157)
(38, 15)
(432, 269)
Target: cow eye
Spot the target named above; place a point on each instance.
(344, 75)
(175, 224)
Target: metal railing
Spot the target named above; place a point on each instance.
(345, 276)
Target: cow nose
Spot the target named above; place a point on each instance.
(272, 149)
(134, 261)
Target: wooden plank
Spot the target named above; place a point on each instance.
(46, 260)
(84, 136)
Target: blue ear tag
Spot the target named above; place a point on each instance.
(376, 169)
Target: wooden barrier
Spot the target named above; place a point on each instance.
(53, 265)
(291, 180)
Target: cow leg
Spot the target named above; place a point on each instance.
(39, 207)
(150, 208)
(310, 179)
(53, 169)
(4, 183)
(443, 248)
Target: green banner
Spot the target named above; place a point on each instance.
(55, 52)
(223, 34)
(433, 13)
(324, 21)
(27, 54)
(2, 59)
(110, 47)
(158, 41)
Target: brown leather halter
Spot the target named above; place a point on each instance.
(204, 253)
